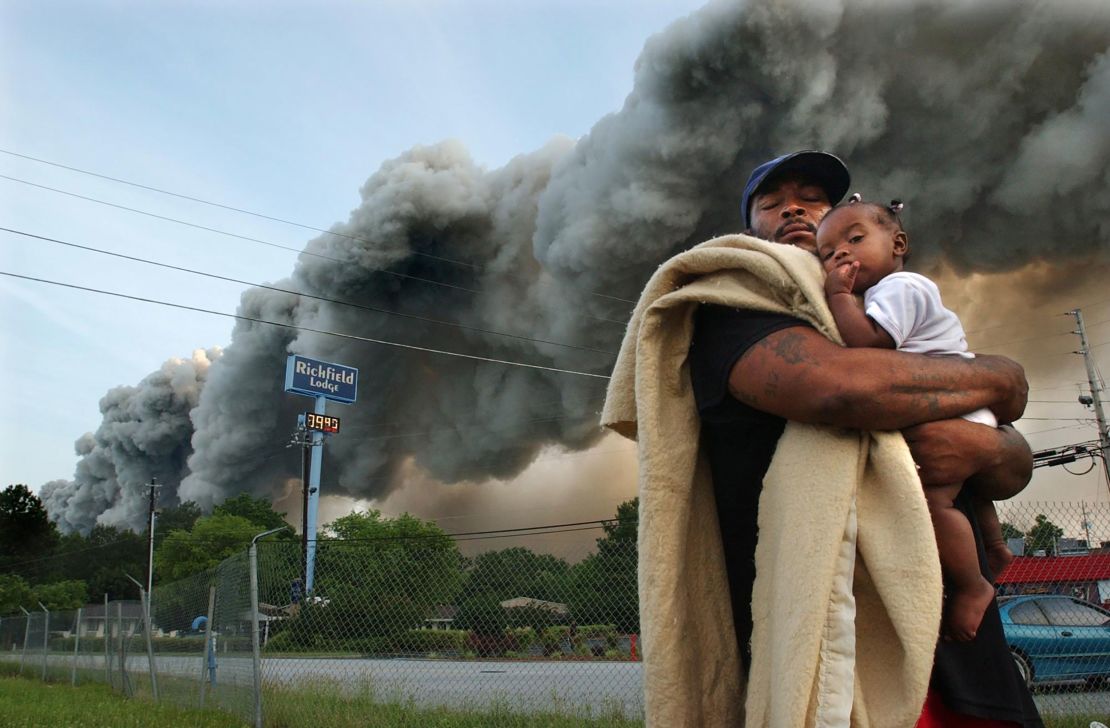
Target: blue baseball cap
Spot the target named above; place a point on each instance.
(823, 168)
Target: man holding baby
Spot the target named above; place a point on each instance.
(755, 370)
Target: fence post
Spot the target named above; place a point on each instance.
(145, 596)
(208, 659)
(256, 650)
(45, 639)
(26, 636)
(144, 605)
(76, 645)
(125, 679)
(107, 644)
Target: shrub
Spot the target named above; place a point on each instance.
(553, 638)
(491, 645)
(435, 640)
(525, 637)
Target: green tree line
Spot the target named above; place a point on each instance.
(376, 576)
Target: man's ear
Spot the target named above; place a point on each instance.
(901, 243)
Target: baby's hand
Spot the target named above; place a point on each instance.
(841, 279)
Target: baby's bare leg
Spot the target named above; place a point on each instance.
(969, 593)
(999, 555)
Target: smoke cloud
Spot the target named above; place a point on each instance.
(988, 119)
(145, 434)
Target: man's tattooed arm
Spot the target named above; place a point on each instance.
(798, 374)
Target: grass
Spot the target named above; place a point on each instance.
(339, 707)
(28, 703)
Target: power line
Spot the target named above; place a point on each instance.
(1020, 341)
(218, 204)
(364, 307)
(295, 327)
(299, 251)
(218, 231)
(1059, 419)
(260, 215)
(1054, 429)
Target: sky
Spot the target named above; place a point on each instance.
(286, 109)
(279, 108)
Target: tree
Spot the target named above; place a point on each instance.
(102, 558)
(622, 530)
(61, 594)
(1043, 535)
(517, 572)
(377, 578)
(213, 539)
(14, 593)
(603, 585)
(26, 531)
(181, 517)
(256, 510)
(1009, 530)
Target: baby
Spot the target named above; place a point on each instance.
(862, 247)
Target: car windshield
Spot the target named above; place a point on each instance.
(1071, 613)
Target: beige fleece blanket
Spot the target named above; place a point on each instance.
(847, 598)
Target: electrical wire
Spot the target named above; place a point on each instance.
(1020, 341)
(364, 307)
(247, 238)
(260, 215)
(1053, 429)
(295, 327)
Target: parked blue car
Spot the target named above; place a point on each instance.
(1057, 638)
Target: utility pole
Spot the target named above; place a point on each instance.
(150, 538)
(1096, 392)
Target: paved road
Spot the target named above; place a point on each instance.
(570, 687)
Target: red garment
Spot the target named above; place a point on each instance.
(937, 715)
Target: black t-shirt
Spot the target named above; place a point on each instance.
(976, 678)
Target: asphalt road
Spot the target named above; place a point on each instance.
(595, 688)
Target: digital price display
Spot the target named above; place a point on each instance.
(323, 423)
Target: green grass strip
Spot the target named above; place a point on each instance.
(28, 703)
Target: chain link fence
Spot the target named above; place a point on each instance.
(413, 620)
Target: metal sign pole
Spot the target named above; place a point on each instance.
(314, 497)
(322, 381)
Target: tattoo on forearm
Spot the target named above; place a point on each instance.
(790, 347)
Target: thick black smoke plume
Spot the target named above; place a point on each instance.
(988, 118)
(145, 434)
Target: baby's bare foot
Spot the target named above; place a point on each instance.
(964, 609)
(999, 557)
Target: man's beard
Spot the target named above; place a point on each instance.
(780, 232)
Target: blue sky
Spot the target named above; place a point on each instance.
(282, 108)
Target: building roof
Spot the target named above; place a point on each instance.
(131, 610)
(1040, 569)
(529, 602)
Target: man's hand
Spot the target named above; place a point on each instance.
(841, 279)
(997, 462)
(1011, 408)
